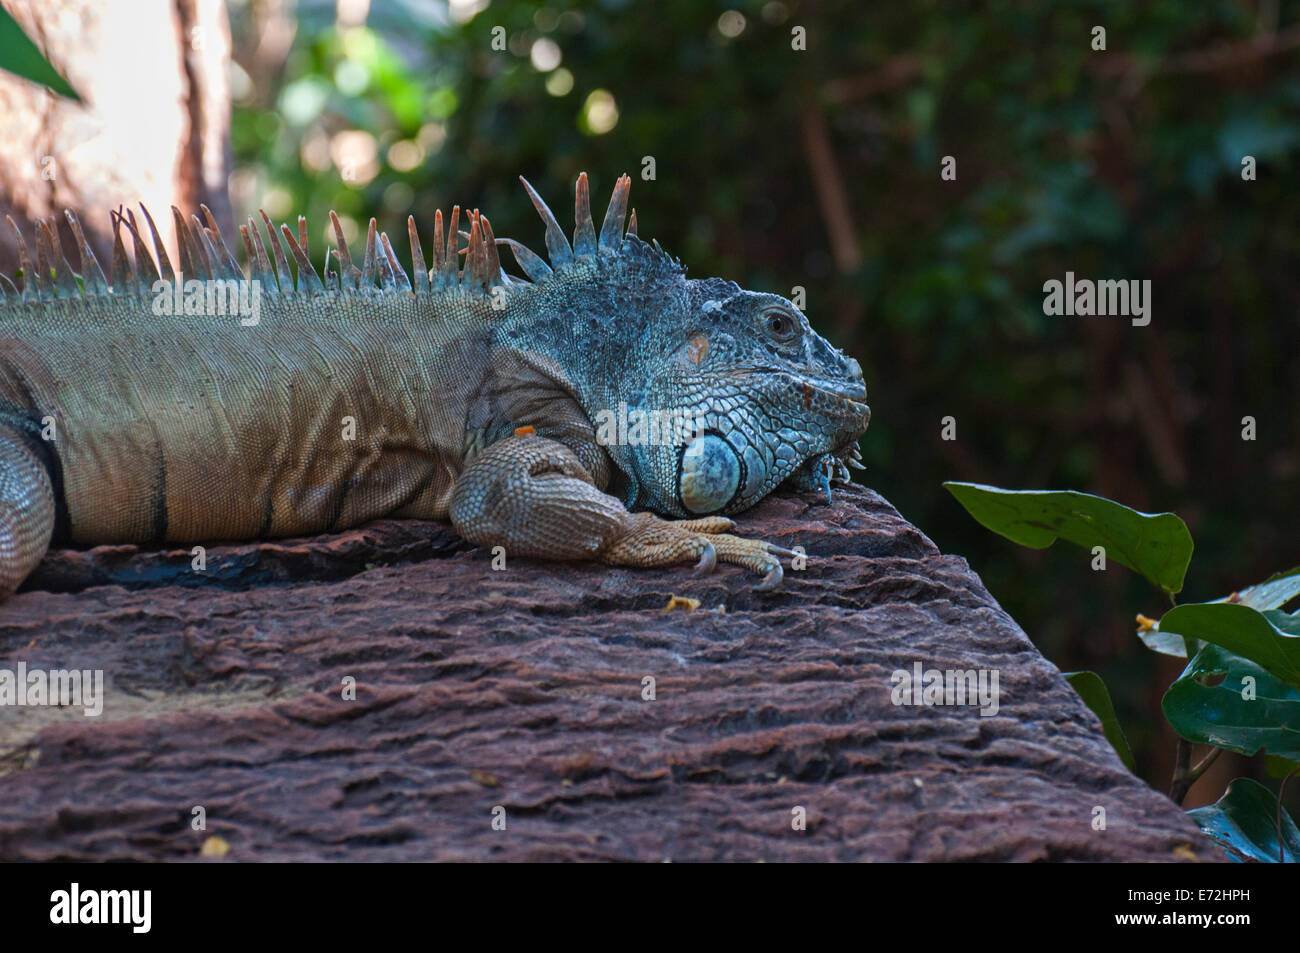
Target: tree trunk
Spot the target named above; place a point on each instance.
(159, 135)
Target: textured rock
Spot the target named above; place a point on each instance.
(522, 689)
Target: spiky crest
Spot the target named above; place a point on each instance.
(204, 254)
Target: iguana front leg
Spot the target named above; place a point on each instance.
(534, 497)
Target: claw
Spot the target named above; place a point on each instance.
(779, 550)
(708, 561)
(826, 470)
(772, 579)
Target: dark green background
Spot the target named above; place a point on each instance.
(1119, 164)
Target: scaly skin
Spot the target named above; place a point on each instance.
(465, 395)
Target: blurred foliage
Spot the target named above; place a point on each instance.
(1117, 164)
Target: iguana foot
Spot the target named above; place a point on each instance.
(651, 541)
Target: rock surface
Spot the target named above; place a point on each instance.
(522, 689)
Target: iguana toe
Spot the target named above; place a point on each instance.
(651, 541)
(707, 524)
(708, 561)
(772, 580)
(755, 555)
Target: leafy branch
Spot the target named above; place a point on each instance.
(1240, 689)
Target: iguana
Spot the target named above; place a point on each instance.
(465, 394)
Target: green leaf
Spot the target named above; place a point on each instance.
(1266, 596)
(1279, 767)
(1242, 631)
(20, 56)
(1284, 622)
(1166, 643)
(1273, 593)
(1245, 821)
(1094, 694)
(1157, 545)
(1219, 715)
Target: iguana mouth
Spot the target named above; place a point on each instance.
(850, 392)
(851, 399)
(856, 394)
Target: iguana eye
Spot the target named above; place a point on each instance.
(779, 325)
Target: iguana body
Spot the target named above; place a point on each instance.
(465, 395)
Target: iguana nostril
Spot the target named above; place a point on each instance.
(855, 370)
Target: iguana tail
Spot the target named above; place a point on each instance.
(26, 510)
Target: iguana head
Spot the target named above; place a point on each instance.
(776, 402)
(707, 396)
